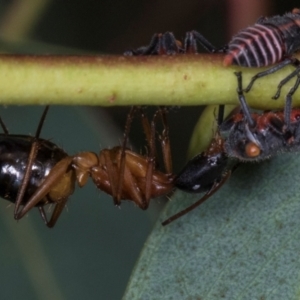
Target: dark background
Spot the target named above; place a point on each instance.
(91, 251)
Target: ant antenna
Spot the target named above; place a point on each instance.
(41, 123)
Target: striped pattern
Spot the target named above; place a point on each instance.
(256, 46)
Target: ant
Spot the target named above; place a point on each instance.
(36, 172)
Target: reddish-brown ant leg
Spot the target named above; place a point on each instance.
(28, 170)
(140, 180)
(166, 150)
(43, 214)
(63, 183)
(165, 143)
(59, 207)
(121, 170)
(146, 126)
(114, 173)
(134, 169)
(150, 162)
(121, 173)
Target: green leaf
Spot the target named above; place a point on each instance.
(243, 243)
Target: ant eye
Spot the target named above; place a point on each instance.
(252, 150)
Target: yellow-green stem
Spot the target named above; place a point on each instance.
(117, 80)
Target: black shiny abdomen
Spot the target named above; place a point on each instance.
(201, 173)
(14, 152)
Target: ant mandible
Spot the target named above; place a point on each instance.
(43, 173)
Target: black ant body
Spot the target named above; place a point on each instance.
(35, 172)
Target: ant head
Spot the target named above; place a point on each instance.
(202, 172)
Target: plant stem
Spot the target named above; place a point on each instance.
(144, 80)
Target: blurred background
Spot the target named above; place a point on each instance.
(91, 251)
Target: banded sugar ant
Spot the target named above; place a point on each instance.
(36, 172)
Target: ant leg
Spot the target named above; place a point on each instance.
(288, 103)
(215, 188)
(245, 107)
(56, 213)
(272, 70)
(120, 177)
(43, 214)
(165, 142)
(146, 126)
(51, 180)
(117, 189)
(150, 132)
(59, 207)
(32, 155)
(150, 161)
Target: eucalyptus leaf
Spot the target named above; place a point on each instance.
(242, 243)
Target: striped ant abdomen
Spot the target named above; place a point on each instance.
(267, 42)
